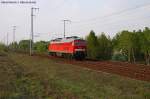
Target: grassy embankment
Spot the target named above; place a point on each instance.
(41, 78)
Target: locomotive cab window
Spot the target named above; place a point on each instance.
(80, 43)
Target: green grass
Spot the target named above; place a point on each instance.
(47, 79)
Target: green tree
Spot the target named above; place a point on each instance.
(13, 46)
(41, 46)
(118, 55)
(3, 48)
(137, 46)
(127, 44)
(105, 47)
(115, 41)
(24, 45)
(92, 46)
(145, 44)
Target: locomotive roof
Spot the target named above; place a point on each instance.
(66, 39)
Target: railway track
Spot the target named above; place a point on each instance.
(134, 71)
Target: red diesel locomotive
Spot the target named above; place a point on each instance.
(72, 47)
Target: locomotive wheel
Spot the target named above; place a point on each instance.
(52, 53)
(67, 55)
(79, 55)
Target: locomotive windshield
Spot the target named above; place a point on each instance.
(80, 43)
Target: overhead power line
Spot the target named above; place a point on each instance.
(60, 4)
(105, 25)
(115, 13)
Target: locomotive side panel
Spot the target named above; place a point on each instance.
(61, 47)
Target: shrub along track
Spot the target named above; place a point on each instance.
(135, 71)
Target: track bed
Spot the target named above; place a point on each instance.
(135, 71)
(139, 72)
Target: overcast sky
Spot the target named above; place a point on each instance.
(109, 16)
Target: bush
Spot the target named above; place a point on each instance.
(3, 48)
(119, 57)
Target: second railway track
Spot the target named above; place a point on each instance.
(134, 71)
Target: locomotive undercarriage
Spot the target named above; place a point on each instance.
(78, 55)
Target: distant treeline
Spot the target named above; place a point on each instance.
(24, 46)
(125, 46)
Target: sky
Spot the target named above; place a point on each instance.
(108, 16)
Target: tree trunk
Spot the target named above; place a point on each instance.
(129, 55)
(148, 62)
(146, 58)
(133, 56)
